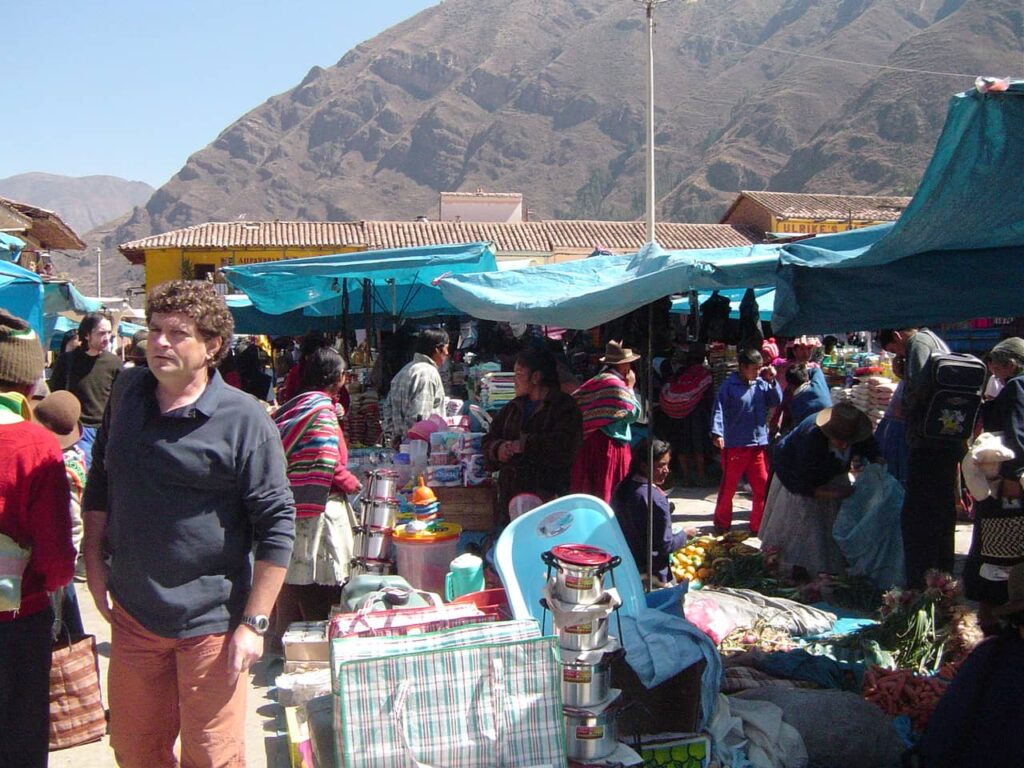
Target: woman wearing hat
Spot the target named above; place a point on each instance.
(609, 407)
(998, 541)
(811, 465)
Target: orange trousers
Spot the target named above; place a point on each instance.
(161, 688)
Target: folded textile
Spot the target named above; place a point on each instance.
(753, 733)
(747, 607)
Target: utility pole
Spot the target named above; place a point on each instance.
(99, 271)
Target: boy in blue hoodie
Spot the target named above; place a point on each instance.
(739, 428)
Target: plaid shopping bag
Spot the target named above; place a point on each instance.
(483, 706)
(352, 648)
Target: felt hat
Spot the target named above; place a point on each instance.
(1011, 347)
(615, 353)
(1015, 588)
(845, 422)
(60, 412)
(21, 354)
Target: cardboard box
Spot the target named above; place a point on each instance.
(306, 641)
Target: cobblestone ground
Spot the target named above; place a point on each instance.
(265, 741)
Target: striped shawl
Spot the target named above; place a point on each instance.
(310, 434)
(604, 400)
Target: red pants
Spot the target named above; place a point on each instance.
(749, 460)
(161, 687)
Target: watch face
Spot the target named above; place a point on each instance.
(260, 623)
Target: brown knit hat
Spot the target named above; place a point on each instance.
(21, 355)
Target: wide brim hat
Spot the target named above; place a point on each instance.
(845, 422)
(1015, 588)
(615, 354)
(60, 413)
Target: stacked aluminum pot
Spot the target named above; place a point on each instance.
(378, 510)
(576, 576)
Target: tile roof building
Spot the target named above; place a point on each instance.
(204, 248)
(799, 213)
(42, 230)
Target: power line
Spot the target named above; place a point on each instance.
(829, 58)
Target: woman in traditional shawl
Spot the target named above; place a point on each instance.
(608, 406)
(320, 480)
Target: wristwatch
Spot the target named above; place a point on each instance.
(258, 624)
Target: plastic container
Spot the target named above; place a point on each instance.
(423, 557)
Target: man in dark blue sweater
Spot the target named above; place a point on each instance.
(187, 484)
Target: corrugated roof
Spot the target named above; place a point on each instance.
(47, 227)
(812, 206)
(542, 238)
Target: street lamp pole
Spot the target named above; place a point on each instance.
(650, 191)
(99, 271)
(649, 9)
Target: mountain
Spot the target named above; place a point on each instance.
(84, 202)
(546, 97)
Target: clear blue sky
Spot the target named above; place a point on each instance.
(131, 88)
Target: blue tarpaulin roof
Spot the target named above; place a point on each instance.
(10, 247)
(765, 300)
(21, 294)
(402, 280)
(589, 292)
(64, 297)
(956, 252)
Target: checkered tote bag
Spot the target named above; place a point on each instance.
(486, 706)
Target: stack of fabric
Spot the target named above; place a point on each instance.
(497, 389)
(361, 424)
(881, 390)
(860, 396)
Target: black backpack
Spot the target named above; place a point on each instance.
(951, 396)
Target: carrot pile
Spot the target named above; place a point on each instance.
(901, 692)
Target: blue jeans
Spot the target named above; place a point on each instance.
(26, 649)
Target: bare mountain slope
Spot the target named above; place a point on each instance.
(83, 202)
(546, 97)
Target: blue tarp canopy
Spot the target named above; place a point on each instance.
(402, 280)
(21, 294)
(249, 320)
(765, 300)
(64, 297)
(589, 292)
(957, 251)
(10, 247)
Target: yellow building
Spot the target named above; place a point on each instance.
(811, 214)
(198, 252)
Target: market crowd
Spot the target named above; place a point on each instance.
(201, 489)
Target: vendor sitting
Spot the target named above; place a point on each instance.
(629, 500)
(812, 465)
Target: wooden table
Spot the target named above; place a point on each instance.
(474, 508)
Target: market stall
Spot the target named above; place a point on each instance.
(962, 229)
(21, 294)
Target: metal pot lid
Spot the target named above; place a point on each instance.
(581, 554)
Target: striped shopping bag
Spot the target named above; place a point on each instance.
(495, 705)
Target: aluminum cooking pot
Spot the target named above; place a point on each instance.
(381, 484)
(588, 636)
(590, 736)
(579, 572)
(585, 683)
(373, 543)
(380, 513)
